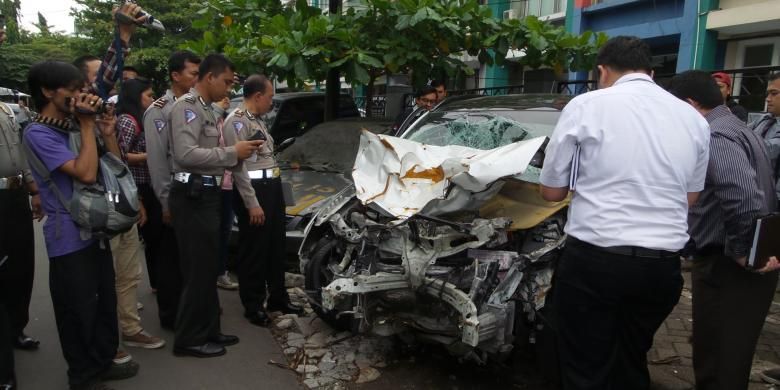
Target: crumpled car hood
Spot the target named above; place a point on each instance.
(404, 177)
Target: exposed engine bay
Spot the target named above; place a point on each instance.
(467, 277)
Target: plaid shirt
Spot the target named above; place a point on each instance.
(132, 140)
(110, 68)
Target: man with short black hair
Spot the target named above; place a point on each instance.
(768, 127)
(259, 206)
(424, 100)
(129, 72)
(81, 272)
(164, 272)
(635, 158)
(739, 188)
(441, 90)
(200, 157)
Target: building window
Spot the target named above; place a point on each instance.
(750, 84)
(539, 8)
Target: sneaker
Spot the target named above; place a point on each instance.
(771, 375)
(122, 357)
(120, 371)
(139, 306)
(143, 340)
(225, 282)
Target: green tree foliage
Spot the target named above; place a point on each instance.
(149, 49)
(15, 60)
(298, 43)
(43, 26)
(10, 8)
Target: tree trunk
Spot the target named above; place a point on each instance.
(333, 82)
(370, 97)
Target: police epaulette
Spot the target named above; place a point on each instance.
(160, 103)
(189, 98)
(7, 110)
(238, 113)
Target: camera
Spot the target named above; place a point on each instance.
(150, 22)
(99, 110)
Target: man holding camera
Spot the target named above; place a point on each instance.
(81, 273)
(259, 206)
(200, 157)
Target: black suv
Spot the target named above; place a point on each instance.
(294, 113)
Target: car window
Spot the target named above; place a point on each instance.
(485, 129)
(270, 117)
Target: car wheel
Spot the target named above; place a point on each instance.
(319, 275)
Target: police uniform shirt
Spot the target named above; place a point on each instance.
(12, 160)
(245, 125)
(195, 138)
(158, 157)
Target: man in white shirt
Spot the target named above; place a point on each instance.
(635, 157)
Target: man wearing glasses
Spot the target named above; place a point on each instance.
(768, 126)
(424, 100)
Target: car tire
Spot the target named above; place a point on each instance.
(316, 277)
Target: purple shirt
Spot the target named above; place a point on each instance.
(51, 147)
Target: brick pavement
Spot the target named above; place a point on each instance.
(670, 359)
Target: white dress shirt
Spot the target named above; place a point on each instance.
(640, 151)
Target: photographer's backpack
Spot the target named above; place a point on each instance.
(109, 206)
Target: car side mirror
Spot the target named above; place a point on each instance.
(284, 145)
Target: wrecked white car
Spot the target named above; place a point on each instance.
(444, 236)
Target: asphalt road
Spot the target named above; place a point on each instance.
(244, 367)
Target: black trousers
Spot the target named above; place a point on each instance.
(151, 232)
(18, 243)
(196, 222)
(261, 253)
(730, 305)
(169, 278)
(6, 345)
(84, 297)
(608, 308)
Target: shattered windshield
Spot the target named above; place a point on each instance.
(483, 129)
(330, 146)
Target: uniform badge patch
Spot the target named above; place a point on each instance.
(159, 124)
(189, 116)
(238, 126)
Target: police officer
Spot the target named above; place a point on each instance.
(17, 243)
(200, 156)
(183, 72)
(259, 206)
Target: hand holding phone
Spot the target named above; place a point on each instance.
(258, 136)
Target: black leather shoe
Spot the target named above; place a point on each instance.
(225, 340)
(26, 342)
(9, 385)
(258, 318)
(286, 308)
(202, 351)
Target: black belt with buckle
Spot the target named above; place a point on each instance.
(12, 182)
(635, 251)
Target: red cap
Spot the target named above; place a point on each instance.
(723, 78)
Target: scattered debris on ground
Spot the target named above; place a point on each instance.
(323, 357)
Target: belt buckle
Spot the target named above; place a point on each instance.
(276, 172)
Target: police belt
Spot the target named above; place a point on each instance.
(208, 180)
(11, 182)
(270, 173)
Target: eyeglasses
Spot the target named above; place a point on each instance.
(427, 101)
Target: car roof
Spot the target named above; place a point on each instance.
(509, 102)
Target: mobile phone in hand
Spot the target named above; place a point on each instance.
(259, 136)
